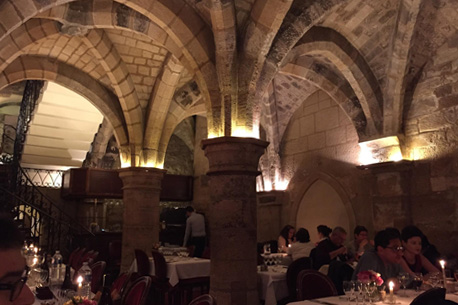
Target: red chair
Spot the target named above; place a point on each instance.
(162, 291)
(122, 284)
(138, 291)
(76, 258)
(98, 270)
(294, 268)
(312, 284)
(143, 264)
(432, 296)
(72, 255)
(204, 299)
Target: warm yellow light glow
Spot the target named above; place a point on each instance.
(280, 184)
(125, 164)
(212, 135)
(380, 150)
(153, 164)
(396, 156)
(244, 132)
(365, 155)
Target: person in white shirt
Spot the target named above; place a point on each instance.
(302, 246)
(195, 231)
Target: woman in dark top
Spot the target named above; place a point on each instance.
(323, 233)
(413, 261)
(286, 238)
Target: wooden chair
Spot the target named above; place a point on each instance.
(122, 284)
(432, 296)
(143, 264)
(138, 291)
(312, 284)
(294, 268)
(76, 258)
(98, 270)
(162, 292)
(204, 299)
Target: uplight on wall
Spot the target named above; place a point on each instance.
(245, 132)
(380, 150)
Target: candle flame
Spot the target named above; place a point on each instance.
(442, 262)
(79, 279)
(391, 284)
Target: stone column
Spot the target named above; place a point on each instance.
(141, 191)
(233, 218)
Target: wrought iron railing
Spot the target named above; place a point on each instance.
(44, 221)
(44, 177)
(41, 219)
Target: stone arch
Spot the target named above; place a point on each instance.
(306, 184)
(33, 67)
(341, 93)
(176, 116)
(348, 60)
(156, 19)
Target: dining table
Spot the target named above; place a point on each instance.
(272, 284)
(180, 267)
(399, 300)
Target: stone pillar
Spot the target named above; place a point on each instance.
(233, 218)
(141, 191)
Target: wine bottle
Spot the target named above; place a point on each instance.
(67, 284)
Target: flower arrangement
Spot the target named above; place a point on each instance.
(370, 276)
(80, 301)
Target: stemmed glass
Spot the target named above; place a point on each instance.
(417, 281)
(403, 279)
(349, 289)
(434, 279)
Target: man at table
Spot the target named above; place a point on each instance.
(195, 231)
(386, 256)
(361, 243)
(13, 290)
(330, 249)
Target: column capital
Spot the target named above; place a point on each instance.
(233, 155)
(141, 177)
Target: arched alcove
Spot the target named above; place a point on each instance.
(322, 204)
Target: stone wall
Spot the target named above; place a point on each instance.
(321, 143)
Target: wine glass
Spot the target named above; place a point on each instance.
(434, 279)
(349, 289)
(41, 278)
(417, 281)
(403, 279)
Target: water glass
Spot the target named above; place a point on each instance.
(403, 279)
(349, 289)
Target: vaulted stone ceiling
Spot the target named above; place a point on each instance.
(147, 65)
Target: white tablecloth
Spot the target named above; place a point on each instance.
(341, 300)
(272, 285)
(180, 268)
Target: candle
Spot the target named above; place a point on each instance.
(391, 285)
(35, 250)
(442, 262)
(79, 280)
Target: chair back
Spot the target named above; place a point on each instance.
(143, 265)
(138, 291)
(160, 266)
(291, 275)
(312, 284)
(204, 299)
(98, 270)
(430, 297)
(72, 256)
(77, 258)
